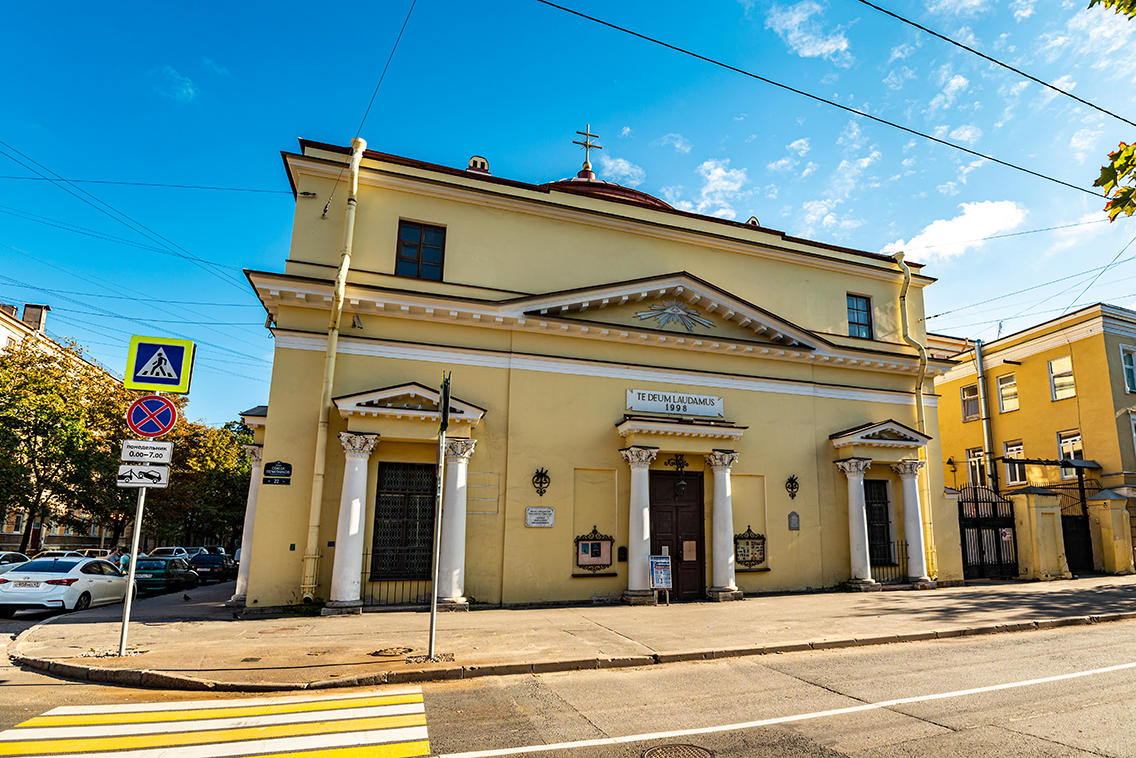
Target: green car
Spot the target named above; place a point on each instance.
(164, 575)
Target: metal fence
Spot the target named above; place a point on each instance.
(386, 580)
(889, 562)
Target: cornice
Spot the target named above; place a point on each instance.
(993, 358)
(297, 340)
(546, 207)
(677, 429)
(276, 290)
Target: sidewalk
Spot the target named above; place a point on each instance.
(198, 644)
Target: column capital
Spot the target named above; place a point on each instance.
(458, 450)
(721, 460)
(908, 468)
(639, 457)
(357, 445)
(854, 466)
(255, 453)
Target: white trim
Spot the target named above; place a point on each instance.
(865, 437)
(278, 289)
(1131, 350)
(674, 429)
(994, 358)
(357, 405)
(485, 359)
(998, 386)
(1052, 385)
(1006, 465)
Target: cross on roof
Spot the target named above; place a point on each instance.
(588, 146)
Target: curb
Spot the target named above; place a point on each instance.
(149, 679)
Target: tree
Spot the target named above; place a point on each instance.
(208, 486)
(47, 396)
(1118, 178)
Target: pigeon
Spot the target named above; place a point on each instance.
(186, 598)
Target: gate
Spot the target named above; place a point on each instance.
(1075, 521)
(989, 540)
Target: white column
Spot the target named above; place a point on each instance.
(854, 469)
(639, 523)
(724, 586)
(255, 455)
(908, 470)
(347, 570)
(451, 563)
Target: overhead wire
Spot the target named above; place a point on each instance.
(112, 212)
(367, 112)
(155, 184)
(819, 99)
(1099, 275)
(996, 62)
(1003, 236)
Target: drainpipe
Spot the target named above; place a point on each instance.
(987, 445)
(921, 415)
(310, 579)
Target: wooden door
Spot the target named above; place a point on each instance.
(677, 524)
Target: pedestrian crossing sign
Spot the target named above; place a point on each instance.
(159, 364)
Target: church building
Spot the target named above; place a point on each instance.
(627, 380)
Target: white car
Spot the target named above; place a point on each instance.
(69, 584)
(9, 561)
(169, 552)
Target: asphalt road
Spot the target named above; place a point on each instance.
(821, 703)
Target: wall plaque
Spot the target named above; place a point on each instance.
(655, 401)
(794, 521)
(593, 551)
(535, 516)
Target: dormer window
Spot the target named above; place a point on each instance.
(421, 249)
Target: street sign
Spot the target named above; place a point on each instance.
(147, 451)
(151, 416)
(278, 469)
(159, 364)
(143, 476)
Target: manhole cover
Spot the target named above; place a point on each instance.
(678, 751)
(391, 651)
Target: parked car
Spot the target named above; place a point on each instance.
(58, 554)
(9, 561)
(95, 552)
(158, 574)
(169, 552)
(211, 567)
(71, 584)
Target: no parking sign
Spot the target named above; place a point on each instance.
(151, 416)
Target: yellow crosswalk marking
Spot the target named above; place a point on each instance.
(372, 725)
(221, 711)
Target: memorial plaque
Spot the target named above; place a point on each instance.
(540, 517)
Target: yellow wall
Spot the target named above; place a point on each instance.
(563, 417)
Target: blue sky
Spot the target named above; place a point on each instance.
(209, 94)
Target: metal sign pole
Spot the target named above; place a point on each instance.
(130, 576)
(443, 424)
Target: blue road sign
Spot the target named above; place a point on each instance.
(159, 364)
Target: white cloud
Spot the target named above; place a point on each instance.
(215, 67)
(951, 90)
(742, 117)
(830, 79)
(850, 135)
(721, 186)
(847, 175)
(621, 171)
(910, 144)
(803, 33)
(901, 52)
(681, 143)
(898, 76)
(1105, 40)
(809, 170)
(1082, 142)
(1022, 9)
(799, 146)
(784, 164)
(625, 132)
(1011, 95)
(947, 238)
(968, 133)
(821, 213)
(1064, 83)
(174, 85)
(958, 7)
(908, 162)
(751, 138)
(940, 131)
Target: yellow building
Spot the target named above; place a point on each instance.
(1064, 390)
(628, 380)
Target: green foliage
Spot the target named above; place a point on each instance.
(1114, 176)
(1122, 7)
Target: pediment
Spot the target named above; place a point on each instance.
(678, 304)
(410, 401)
(880, 434)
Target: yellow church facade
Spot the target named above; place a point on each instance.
(628, 380)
